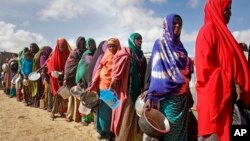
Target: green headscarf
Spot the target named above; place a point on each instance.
(21, 57)
(131, 43)
(82, 64)
(88, 51)
(134, 78)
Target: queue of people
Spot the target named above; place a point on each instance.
(222, 79)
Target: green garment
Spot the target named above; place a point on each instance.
(83, 63)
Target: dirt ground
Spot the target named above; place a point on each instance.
(22, 123)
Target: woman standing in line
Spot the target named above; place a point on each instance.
(171, 70)
(128, 80)
(222, 73)
(57, 62)
(102, 81)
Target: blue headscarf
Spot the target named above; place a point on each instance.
(168, 58)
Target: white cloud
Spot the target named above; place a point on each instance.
(72, 42)
(13, 40)
(193, 3)
(188, 37)
(158, 1)
(242, 36)
(25, 23)
(62, 9)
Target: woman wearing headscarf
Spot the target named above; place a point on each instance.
(19, 94)
(85, 59)
(128, 80)
(81, 70)
(27, 66)
(102, 81)
(249, 56)
(56, 62)
(34, 48)
(44, 54)
(171, 71)
(37, 87)
(221, 72)
(94, 63)
(13, 65)
(70, 76)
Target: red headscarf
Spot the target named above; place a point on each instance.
(220, 63)
(57, 60)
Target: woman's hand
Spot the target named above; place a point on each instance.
(142, 95)
(238, 91)
(64, 82)
(149, 104)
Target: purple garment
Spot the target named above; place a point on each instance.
(104, 48)
(168, 58)
(45, 53)
(71, 67)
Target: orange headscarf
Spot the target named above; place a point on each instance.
(103, 73)
(57, 60)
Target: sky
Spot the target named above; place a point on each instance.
(44, 21)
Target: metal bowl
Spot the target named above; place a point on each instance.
(90, 99)
(5, 67)
(64, 92)
(34, 76)
(55, 74)
(139, 103)
(14, 65)
(154, 123)
(13, 80)
(76, 91)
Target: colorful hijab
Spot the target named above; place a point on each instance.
(103, 72)
(90, 70)
(39, 59)
(84, 61)
(44, 55)
(231, 57)
(131, 44)
(71, 66)
(220, 63)
(168, 58)
(88, 47)
(21, 57)
(137, 70)
(57, 61)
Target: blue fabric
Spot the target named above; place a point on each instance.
(27, 66)
(168, 58)
(103, 120)
(12, 92)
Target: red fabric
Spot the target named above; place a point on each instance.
(56, 62)
(249, 57)
(219, 63)
(120, 73)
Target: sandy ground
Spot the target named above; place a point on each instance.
(22, 123)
